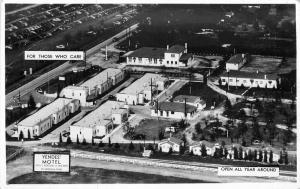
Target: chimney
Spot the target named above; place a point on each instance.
(257, 71)
(105, 52)
(167, 47)
(265, 76)
(185, 46)
(243, 55)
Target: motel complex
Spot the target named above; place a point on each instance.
(47, 117)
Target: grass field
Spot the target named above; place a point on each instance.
(262, 64)
(85, 175)
(203, 91)
(151, 127)
(10, 150)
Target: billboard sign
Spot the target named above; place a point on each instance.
(58, 161)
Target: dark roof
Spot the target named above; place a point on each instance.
(253, 75)
(185, 57)
(189, 98)
(172, 140)
(148, 52)
(237, 58)
(175, 107)
(176, 49)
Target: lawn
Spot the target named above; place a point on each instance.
(10, 150)
(86, 175)
(203, 91)
(152, 127)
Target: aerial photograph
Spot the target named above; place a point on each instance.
(150, 93)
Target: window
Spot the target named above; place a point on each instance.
(172, 55)
(237, 80)
(244, 81)
(171, 62)
(167, 113)
(175, 62)
(73, 93)
(140, 60)
(155, 111)
(230, 80)
(79, 94)
(261, 82)
(168, 62)
(129, 59)
(160, 60)
(172, 112)
(155, 61)
(134, 59)
(223, 80)
(256, 82)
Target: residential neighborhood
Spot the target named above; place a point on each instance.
(167, 93)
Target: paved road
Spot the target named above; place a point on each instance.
(27, 88)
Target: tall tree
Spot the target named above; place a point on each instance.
(21, 135)
(31, 102)
(28, 135)
(60, 138)
(203, 150)
(271, 157)
(131, 146)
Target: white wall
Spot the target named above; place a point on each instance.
(176, 115)
(232, 66)
(81, 95)
(127, 98)
(165, 147)
(262, 83)
(82, 132)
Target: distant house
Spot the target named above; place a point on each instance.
(175, 56)
(173, 110)
(236, 62)
(229, 14)
(170, 143)
(196, 148)
(191, 100)
(249, 79)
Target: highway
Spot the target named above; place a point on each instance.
(32, 85)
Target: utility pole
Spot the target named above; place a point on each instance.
(151, 89)
(106, 52)
(185, 113)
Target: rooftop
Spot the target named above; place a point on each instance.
(237, 58)
(99, 116)
(142, 83)
(190, 99)
(175, 107)
(253, 75)
(119, 111)
(45, 112)
(176, 49)
(148, 52)
(185, 56)
(101, 77)
(172, 140)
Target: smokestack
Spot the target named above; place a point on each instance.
(265, 76)
(185, 46)
(105, 52)
(167, 47)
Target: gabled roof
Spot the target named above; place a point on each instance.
(251, 75)
(176, 49)
(236, 59)
(185, 57)
(171, 140)
(148, 52)
(175, 107)
(189, 98)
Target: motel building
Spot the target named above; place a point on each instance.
(173, 110)
(170, 143)
(236, 61)
(175, 56)
(250, 79)
(93, 87)
(139, 91)
(99, 122)
(47, 117)
(191, 100)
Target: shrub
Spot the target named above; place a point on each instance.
(131, 146)
(69, 141)
(117, 145)
(101, 144)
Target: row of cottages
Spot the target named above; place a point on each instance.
(237, 61)
(249, 79)
(142, 90)
(89, 90)
(175, 56)
(47, 117)
(99, 122)
(173, 110)
(191, 100)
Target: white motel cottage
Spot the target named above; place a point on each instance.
(48, 116)
(93, 87)
(140, 90)
(191, 100)
(173, 110)
(175, 56)
(249, 79)
(99, 122)
(170, 143)
(236, 61)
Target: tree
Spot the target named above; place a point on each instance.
(240, 153)
(250, 156)
(265, 156)
(101, 144)
(260, 155)
(255, 155)
(235, 153)
(280, 161)
(109, 142)
(225, 152)
(203, 150)
(131, 146)
(227, 105)
(271, 157)
(184, 139)
(161, 134)
(77, 140)
(28, 134)
(150, 147)
(93, 142)
(69, 141)
(31, 102)
(198, 128)
(21, 136)
(170, 150)
(117, 145)
(286, 158)
(84, 141)
(60, 138)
